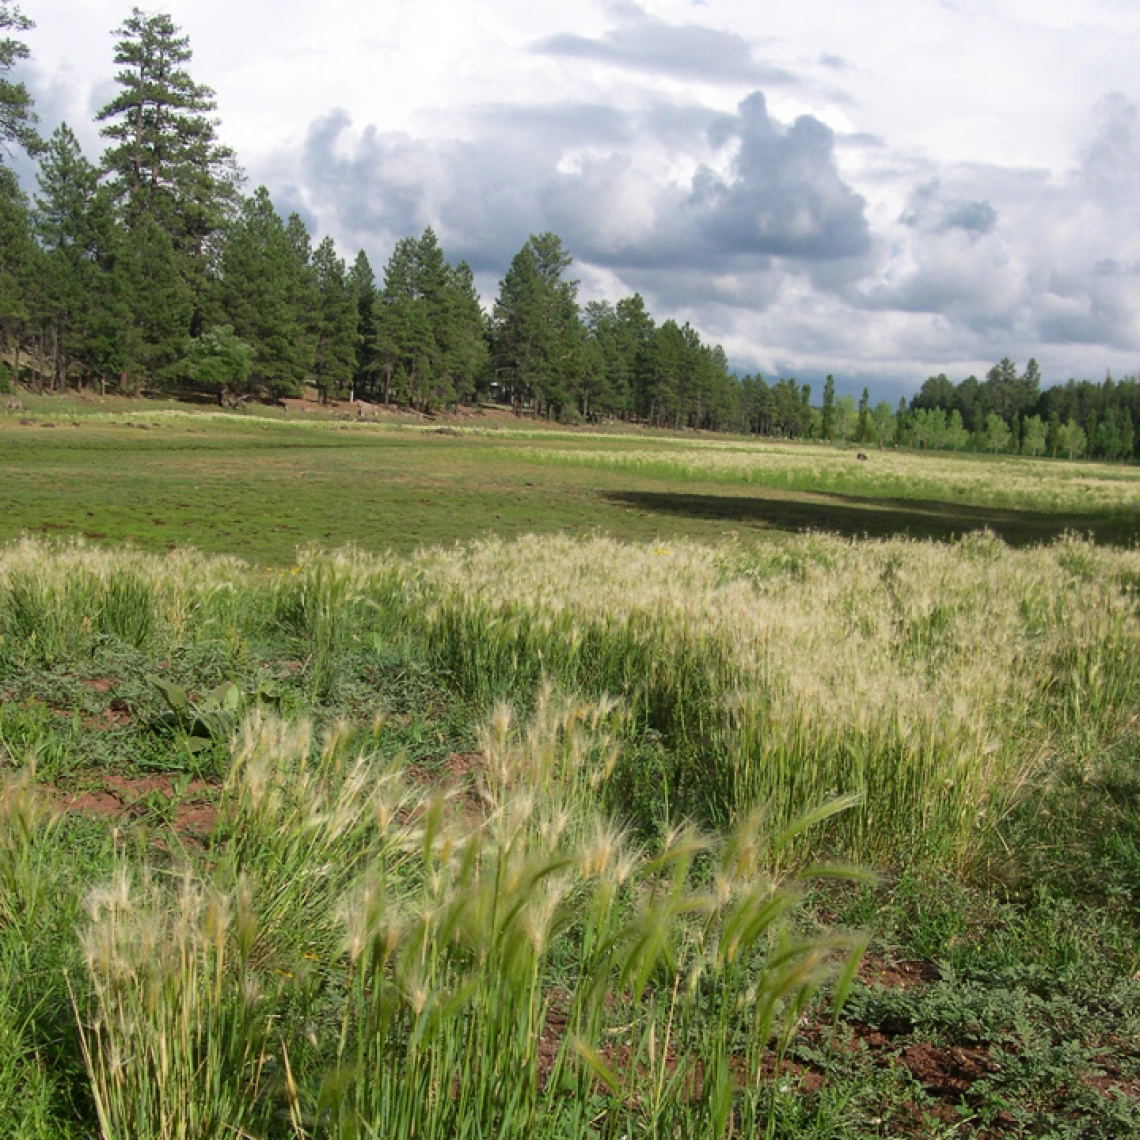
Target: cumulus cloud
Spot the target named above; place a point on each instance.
(746, 226)
(929, 210)
(1024, 258)
(760, 195)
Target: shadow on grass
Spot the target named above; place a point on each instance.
(855, 517)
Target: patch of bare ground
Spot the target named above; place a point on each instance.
(900, 974)
(100, 684)
(1112, 1082)
(459, 779)
(189, 810)
(946, 1073)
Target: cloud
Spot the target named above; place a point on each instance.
(929, 210)
(642, 42)
(759, 199)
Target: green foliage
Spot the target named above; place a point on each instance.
(163, 155)
(537, 338)
(220, 362)
(369, 923)
(201, 723)
(998, 434)
(264, 296)
(17, 118)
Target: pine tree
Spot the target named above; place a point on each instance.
(633, 331)
(74, 225)
(362, 282)
(303, 295)
(405, 337)
(668, 362)
(538, 340)
(160, 304)
(260, 288)
(164, 157)
(465, 346)
(17, 264)
(336, 323)
(164, 162)
(17, 116)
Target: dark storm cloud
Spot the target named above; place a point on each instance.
(641, 42)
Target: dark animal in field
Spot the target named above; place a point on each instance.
(861, 457)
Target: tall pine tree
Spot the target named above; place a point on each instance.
(164, 164)
(17, 116)
(336, 323)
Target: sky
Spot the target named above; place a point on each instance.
(879, 189)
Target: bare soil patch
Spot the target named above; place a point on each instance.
(897, 975)
(192, 814)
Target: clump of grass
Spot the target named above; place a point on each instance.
(520, 968)
(176, 1045)
(932, 681)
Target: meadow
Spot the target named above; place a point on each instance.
(260, 484)
(489, 795)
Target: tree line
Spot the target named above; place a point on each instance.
(1008, 411)
(153, 268)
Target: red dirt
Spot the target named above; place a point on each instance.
(946, 1073)
(100, 684)
(1112, 1083)
(107, 719)
(94, 803)
(900, 975)
(124, 797)
(458, 777)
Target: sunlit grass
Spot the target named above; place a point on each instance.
(1056, 486)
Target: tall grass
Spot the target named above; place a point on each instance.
(931, 681)
(365, 959)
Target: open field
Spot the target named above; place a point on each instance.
(258, 486)
(666, 820)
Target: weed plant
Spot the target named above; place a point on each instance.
(361, 958)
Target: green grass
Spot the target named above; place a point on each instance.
(503, 838)
(259, 486)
